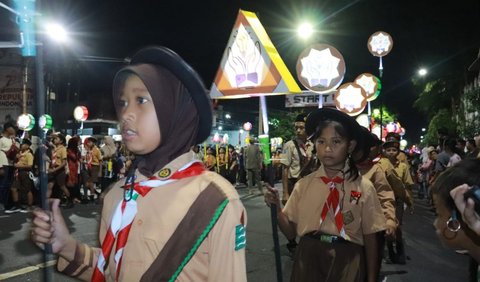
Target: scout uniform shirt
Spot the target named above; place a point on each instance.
(384, 192)
(400, 180)
(220, 257)
(25, 159)
(96, 156)
(59, 155)
(361, 216)
(291, 158)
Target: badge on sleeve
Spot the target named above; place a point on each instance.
(240, 238)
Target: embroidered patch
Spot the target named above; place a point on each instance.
(355, 197)
(164, 173)
(240, 237)
(348, 217)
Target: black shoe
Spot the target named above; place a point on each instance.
(292, 246)
(13, 209)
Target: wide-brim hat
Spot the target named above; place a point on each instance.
(323, 114)
(168, 59)
(390, 144)
(368, 140)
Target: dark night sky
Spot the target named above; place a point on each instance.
(443, 36)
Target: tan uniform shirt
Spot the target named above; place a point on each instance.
(384, 192)
(291, 159)
(158, 215)
(305, 205)
(25, 159)
(96, 156)
(60, 153)
(400, 180)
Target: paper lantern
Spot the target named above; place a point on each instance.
(402, 131)
(247, 126)
(320, 68)
(45, 122)
(350, 99)
(380, 44)
(391, 127)
(225, 139)
(26, 122)
(376, 129)
(80, 113)
(403, 144)
(216, 137)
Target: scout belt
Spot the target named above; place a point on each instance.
(325, 237)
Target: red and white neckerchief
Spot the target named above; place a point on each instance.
(333, 204)
(124, 216)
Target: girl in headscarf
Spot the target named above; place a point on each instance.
(169, 219)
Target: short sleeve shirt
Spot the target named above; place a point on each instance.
(291, 159)
(60, 155)
(26, 159)
(360, 217)
(96, 156)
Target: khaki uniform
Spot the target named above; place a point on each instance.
(400, 180)
(291, 159)
(310, 194)
(159, 213)
(60, 153)
(384, 192)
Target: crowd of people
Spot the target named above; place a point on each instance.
(171, 207)
(77, 172)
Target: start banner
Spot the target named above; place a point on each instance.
(309, 99)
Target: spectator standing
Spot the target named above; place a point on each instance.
(7, 140)
(108, 151)
(472, 150)
(253, 165)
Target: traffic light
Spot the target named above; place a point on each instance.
(26, 23)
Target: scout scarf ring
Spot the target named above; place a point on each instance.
(124, 216)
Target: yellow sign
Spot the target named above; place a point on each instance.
(251, 65)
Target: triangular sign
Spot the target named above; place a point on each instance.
(251, 65)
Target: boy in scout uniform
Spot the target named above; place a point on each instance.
(56, 171)
(169, 219)
(398, 175)
(22, 187)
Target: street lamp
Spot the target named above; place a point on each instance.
(56, 32)
(305, 30)
(422, 72)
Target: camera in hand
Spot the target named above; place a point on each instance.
(474, 194)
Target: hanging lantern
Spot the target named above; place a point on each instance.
(247, 126)
(391, 127)
(80, 113)
(402, 131)
(403, 144)
(225, 139)
(26, 122)
(45, 122)
(216, 137)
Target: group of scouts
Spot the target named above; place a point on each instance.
(344, 193)
(171, 219)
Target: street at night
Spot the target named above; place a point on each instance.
(427, 259)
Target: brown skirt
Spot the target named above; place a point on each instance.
(319, 261)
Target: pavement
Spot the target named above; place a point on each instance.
(21, 260)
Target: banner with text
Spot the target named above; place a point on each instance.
(309, 99)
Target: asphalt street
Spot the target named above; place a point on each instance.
(428, 260)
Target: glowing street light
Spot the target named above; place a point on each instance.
(422, 72)
(305, 30)
(57, 32)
